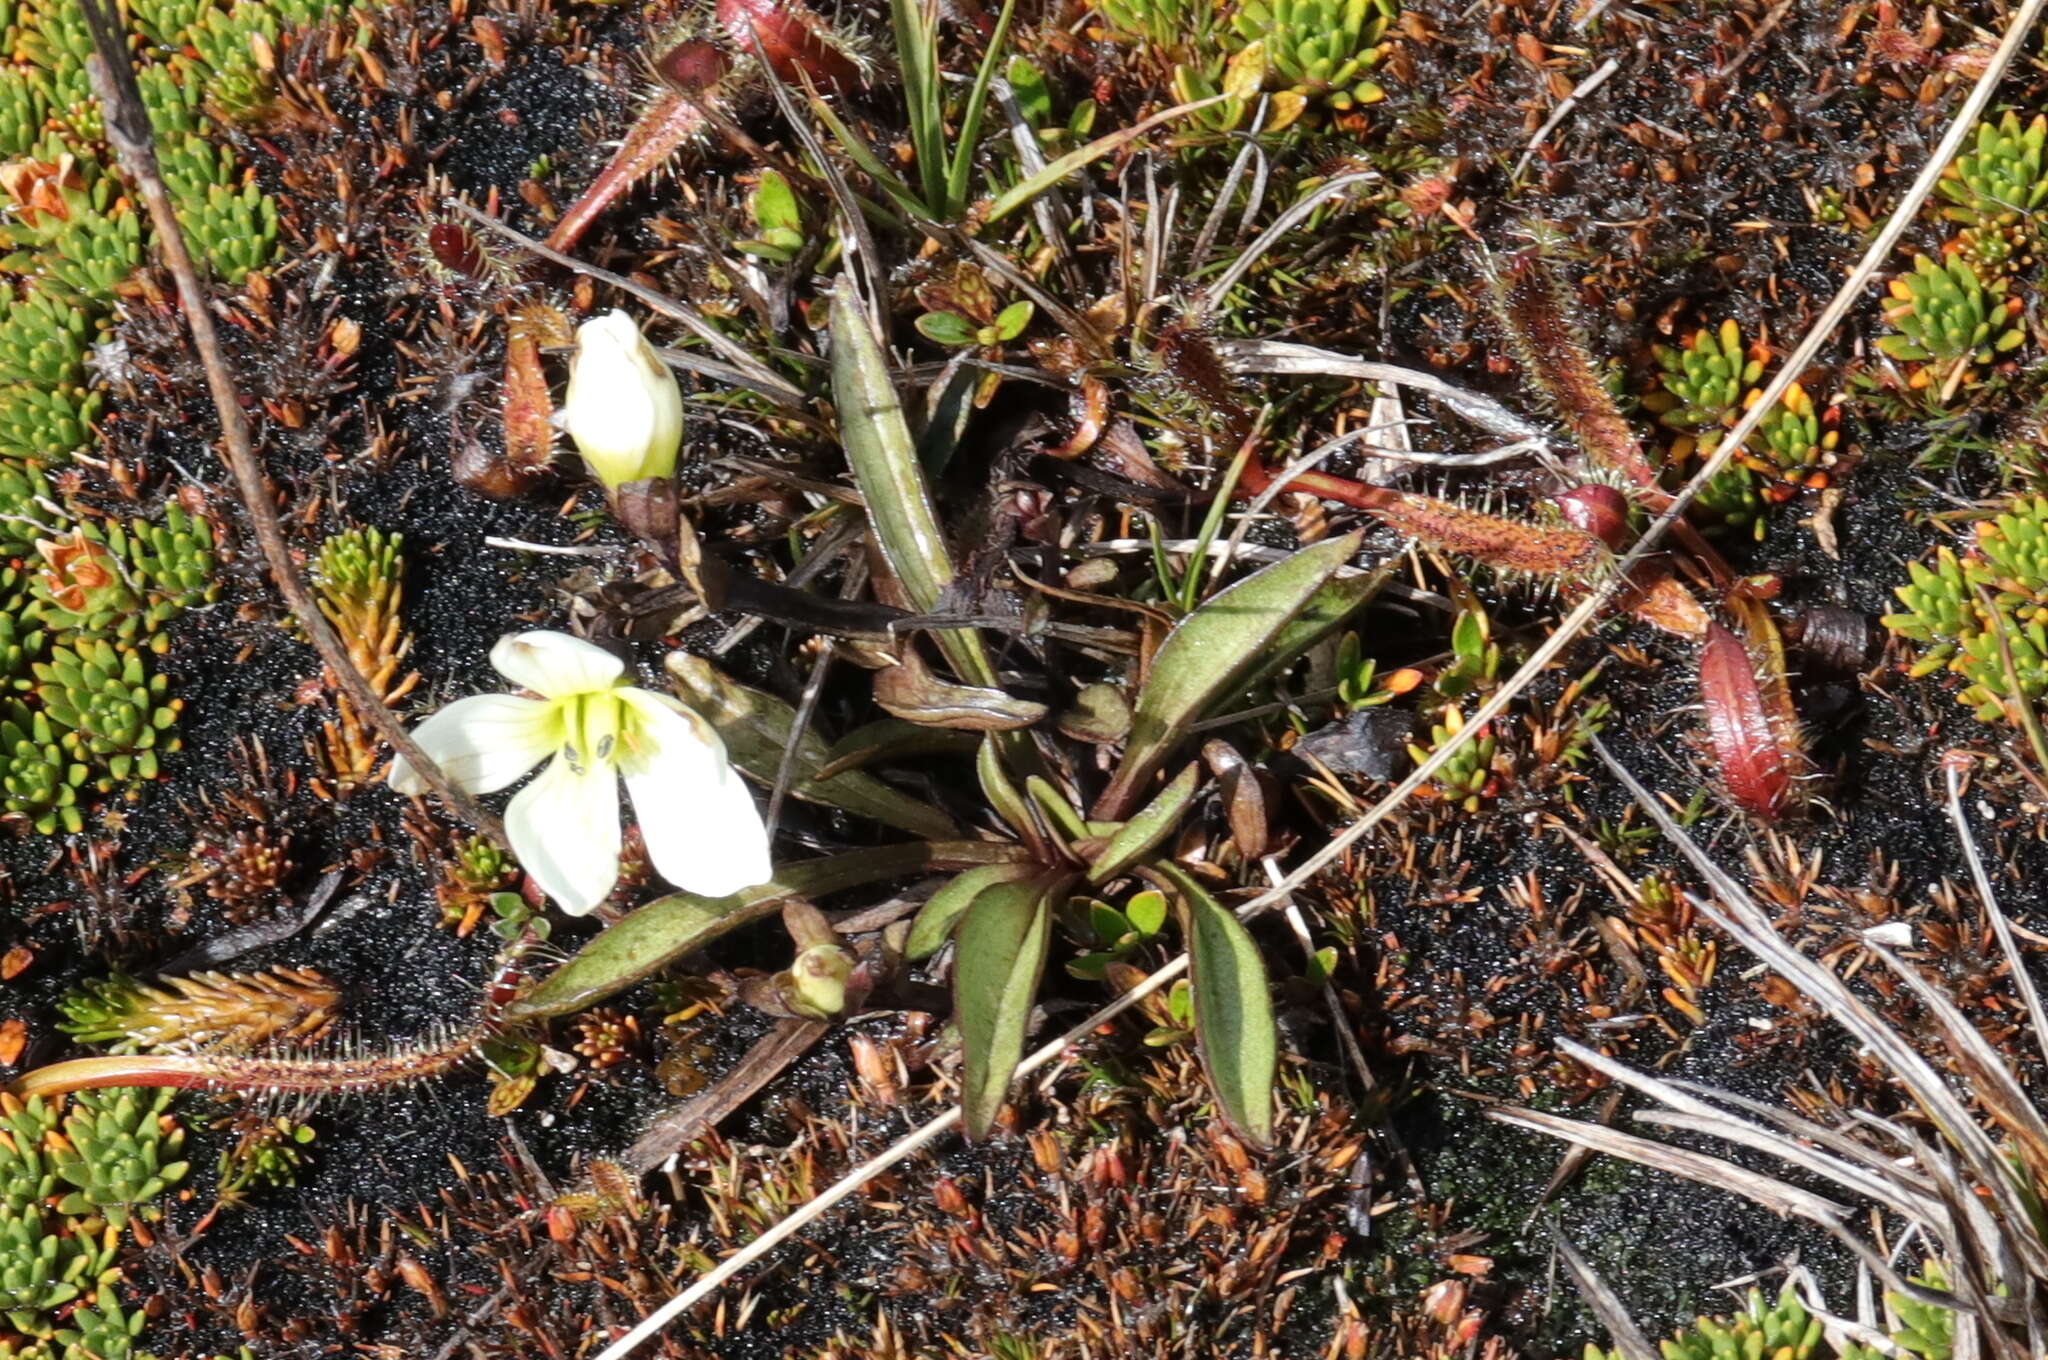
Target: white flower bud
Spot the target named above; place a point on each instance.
(624, 409)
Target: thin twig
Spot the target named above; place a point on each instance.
(651, 1325)
(1213, 294)
(1574, 623)
(128, 130)
(1199, 255)
(2022, 981)
(806, 709)
(767, 379)
(1564, 110)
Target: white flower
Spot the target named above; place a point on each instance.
(624, 409)
(702, 830)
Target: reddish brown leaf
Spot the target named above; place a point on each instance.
(791, 38)
(1753, 765)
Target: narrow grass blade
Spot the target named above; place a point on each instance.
(1690, 1111)
(1136, 838)
(884, 461)
(944, 908)
(1003, 940)
(1776, 1195)
(1208, 654)
(645, 941)
(1095, 150)
(970, 121)
(917, 59)
(756, 729)
(1233, 1010)
(863, 156)
(1732, 909)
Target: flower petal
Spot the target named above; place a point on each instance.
(702, 830)
(555, 664)
(564, 827)
(624, 408)
(482, 743)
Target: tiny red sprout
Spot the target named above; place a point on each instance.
(790, 38)
(1754, 766)
(693, 67)
(1597, 508)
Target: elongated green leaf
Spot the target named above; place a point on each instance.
(1324, 614)
(970, 121)
(999, 792)
(755, 727)
(1233, 1010)
(1003, 942)
(863, 156)
(917, 60)
(884, 461)
(894, 739)
(1061, 815)
(1135, 838)
(942, 911)
(1208, 654)
(1095, 150)
(645, 941)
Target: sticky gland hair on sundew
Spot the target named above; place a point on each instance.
(702, 71)
(1752, 731)
(351, 1073)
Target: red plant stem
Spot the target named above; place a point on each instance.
(181, 1071)
(1256, 477)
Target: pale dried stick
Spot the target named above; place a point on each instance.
(853, 1180)
(798, 1219)
(1574, 623)
(128, 130)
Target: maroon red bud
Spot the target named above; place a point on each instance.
(1599, 509)
(693, 67)
(457, 249)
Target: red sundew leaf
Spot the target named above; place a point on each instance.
(528, 409)
(665, 127)
(1552, 352)
(791, 38)
(458, 250)
(1754, 766)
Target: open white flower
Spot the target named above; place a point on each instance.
(702, 830)
(624, 409)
